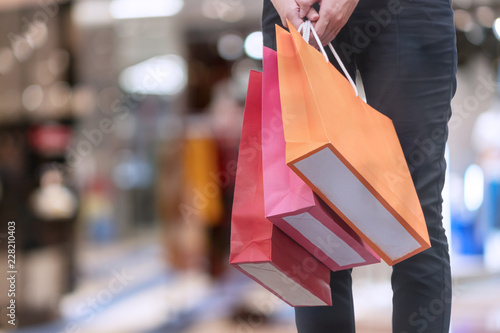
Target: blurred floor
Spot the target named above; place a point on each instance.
(128, 288)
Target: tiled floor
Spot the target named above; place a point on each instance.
(127, 288)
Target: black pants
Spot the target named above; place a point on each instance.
(405, 52)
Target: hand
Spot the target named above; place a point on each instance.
(295, 11)
(333, 15)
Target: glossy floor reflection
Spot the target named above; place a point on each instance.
(127, 287)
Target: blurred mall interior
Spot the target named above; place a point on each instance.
(119, 132)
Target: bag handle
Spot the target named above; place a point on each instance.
(308, 28)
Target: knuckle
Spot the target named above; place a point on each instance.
(337, 17)
(330, 11)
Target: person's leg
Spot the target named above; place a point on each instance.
(318, 319)
(338, 318)
(406, 55)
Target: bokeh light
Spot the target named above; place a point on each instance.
(230, 46)
(473, 187)
(486, 16)
(162, 75)
(463, 20)
(496, 28)
(475, 34)
(254, 44)
(33, 97)
(127, 9)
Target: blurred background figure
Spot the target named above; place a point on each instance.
(119, 132)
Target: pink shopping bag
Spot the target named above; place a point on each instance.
(258, 248)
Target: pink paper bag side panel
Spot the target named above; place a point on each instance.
(278, 178)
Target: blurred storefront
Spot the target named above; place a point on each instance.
(117, 118)
(473, 141)
(119, 130)
(37, 123)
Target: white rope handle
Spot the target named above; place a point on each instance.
(308, 28)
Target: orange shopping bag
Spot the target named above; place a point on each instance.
(347, 152)
(289, 202)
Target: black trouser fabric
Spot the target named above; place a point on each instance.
(405, 52)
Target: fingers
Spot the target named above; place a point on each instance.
(305, 7)
(295, 20)
(288, 10)
(325, 30)
(333, 15)
(312, 15)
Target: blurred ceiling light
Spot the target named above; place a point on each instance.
(32, 97)
(254, 44)
(161, 75)
(224, 10)
(127, 9)
(496, 28)
(91, 13)
(486, 16)
(230, 46)
(475, 35)
(463, 20)
(6, 60)
(473, 187)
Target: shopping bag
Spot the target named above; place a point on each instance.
(289, 202)
(258, 248)
(347, 152)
